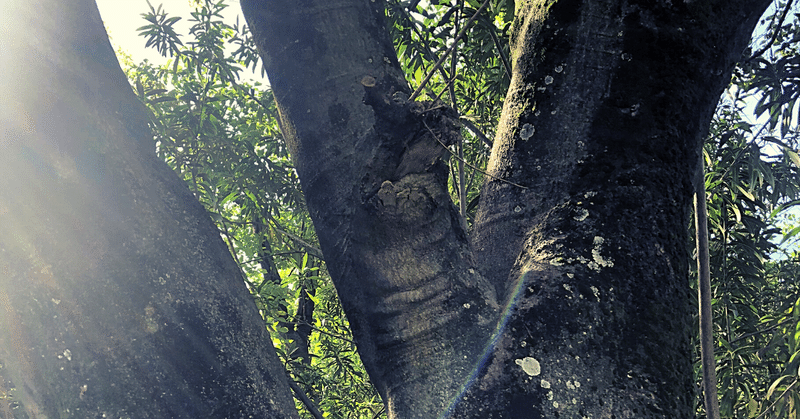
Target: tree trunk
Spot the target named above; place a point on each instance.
(571, 296)
(117, 296)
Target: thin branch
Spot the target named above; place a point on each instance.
(462, 192)
(471, 178)
(312, 250)
(447, 53)
(779, 398)
(774, 34)
(500, 51)
(312, 408)
(711, 400)
(469, 164)
(447, 87)
(475, 130)
(454, 61)
(759, 332)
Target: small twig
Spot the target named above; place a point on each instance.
(774, 34)
(312, 408)
(312, 250)
(475, 130)
(500, 51)
(447, 53)
(756, 333)
(779, 398)
(468, 163)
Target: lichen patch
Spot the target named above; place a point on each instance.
(530, 366)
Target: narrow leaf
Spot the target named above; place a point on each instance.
(793, 157)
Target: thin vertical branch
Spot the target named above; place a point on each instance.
(704, 296)
(500, 52)
(462, 191)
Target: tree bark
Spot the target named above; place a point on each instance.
(117, 296)
(419, 309)
(602, 125)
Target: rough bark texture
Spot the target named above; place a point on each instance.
(370, 168)
(602, 124)
(117, 296)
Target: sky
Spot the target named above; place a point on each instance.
(123, 17)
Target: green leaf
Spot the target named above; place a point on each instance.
(153, 92)
(752, 408)
(163, 99)
(737, 213)
(790, 234)
(794, 157)
(746, 193)
(775, 385)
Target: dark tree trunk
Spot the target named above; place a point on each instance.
(420, 310)
(617, 96)
(570, 299)
(117, 296)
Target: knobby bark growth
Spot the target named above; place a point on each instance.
(569, 297)
(117, 296)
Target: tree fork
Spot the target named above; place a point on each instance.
(607, 104)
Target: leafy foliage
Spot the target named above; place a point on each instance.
(752, 194)
(473, 80)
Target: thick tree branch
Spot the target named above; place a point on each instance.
(118, 296)
(376, 189)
